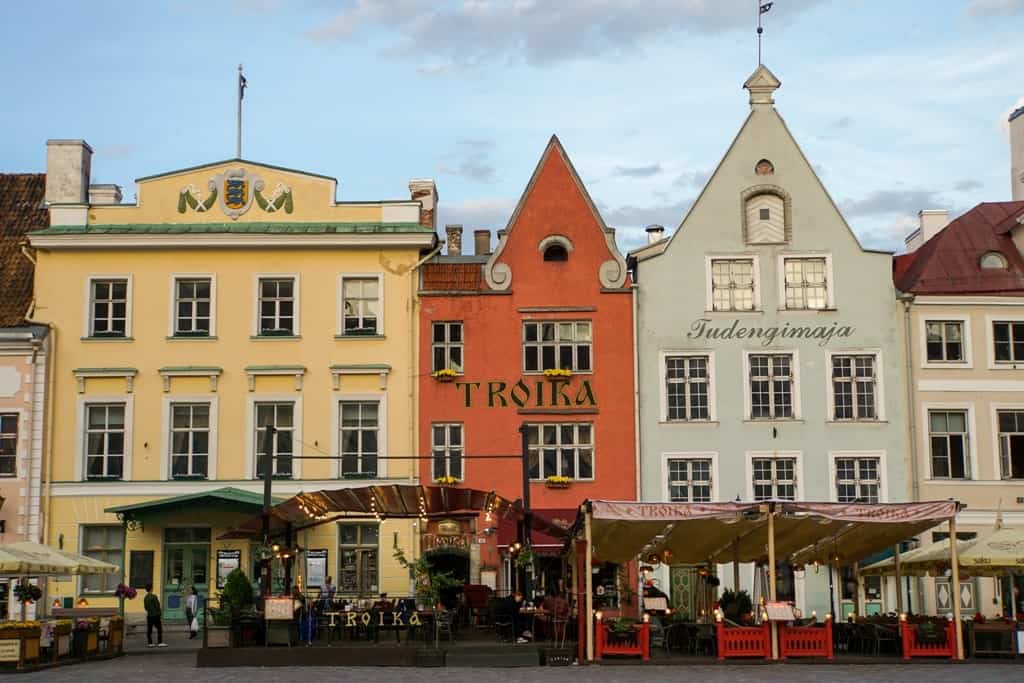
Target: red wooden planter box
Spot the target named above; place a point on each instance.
(744, 641)
(806, 641)
(636, 643)
(912, 647)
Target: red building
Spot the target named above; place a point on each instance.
(552, 296)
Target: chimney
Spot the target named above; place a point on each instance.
(482, 242)
(68, 164)
(424, 191)
(932, 223)
(1017, 154)
(104, 194)
(454, 239)
(655, 233)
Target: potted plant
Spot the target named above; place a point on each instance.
(237, 607)
(444, 375)
(429, 586)
(621, 631)
(928, 633)
(86, 637)
(62, 638)
(124, 592)
(115, 634)
(557, 482)
(446, 481)
(558, 373)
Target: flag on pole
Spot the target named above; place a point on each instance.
(241, 85)
(765, 7)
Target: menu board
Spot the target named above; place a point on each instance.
(279, 609)
(316, 568)
(10, 650)
(779, 611)
(227, 562)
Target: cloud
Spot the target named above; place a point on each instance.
(490, 213)
(695, 179)
(638, 171)
(888, 235)
(967, 185)
(642, 216)
(116, 151)
(844, 122)
(470, 160)
(883, 202)
(468, 33)
(983, 8)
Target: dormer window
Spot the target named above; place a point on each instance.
(556, 252)
(993, 260)
(555, 248)
(766, 219)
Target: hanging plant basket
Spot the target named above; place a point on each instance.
(446, 375)
(557, 482)
(558, 374)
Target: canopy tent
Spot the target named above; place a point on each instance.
(34, 559)
(911, 561)
(995, 554)
(226, 498)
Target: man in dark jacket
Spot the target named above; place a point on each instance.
(153, 615)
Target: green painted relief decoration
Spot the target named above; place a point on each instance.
(235, 190)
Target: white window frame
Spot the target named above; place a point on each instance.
(663, 385)
(709, 299)
(925, 461)
(296, 307)
(994, 410)
(165, 428)
(129, 298)
(798, 470)
(883, 471)
(340, 304)
(172, 319)
(81, 550)
(880, 414)
(20, 440)
(556, 321)
(593, 449)
(449, 345)
(922, 331)
(250, 430)
(747, 402)
(80, 442)
(446, 447)
(382, 434)
(990, 339)
(690, 455)
(830, 283)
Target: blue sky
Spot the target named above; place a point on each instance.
(899, 104)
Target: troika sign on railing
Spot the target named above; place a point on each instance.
(702, 328)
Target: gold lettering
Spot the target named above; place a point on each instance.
(540, 393)
(495, 389)
(381, 622)
(524, 396)
(467, 387)
(558, 387)
(585, 395)
(350, 620)
(414, 620)
(365, 618)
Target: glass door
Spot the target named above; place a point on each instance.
(186, 566)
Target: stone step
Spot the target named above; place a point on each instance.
(507, 656)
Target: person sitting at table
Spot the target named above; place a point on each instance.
(509, 607)
(383, 604)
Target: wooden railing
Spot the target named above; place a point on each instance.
(913, 647)
(630, 643)
(806, 641)
(744, 641)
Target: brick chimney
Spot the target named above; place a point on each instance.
(482, 242)
(424, 191)
(1017, 154)
(454, 233)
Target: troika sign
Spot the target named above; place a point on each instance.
(702, 328)
(541, 393)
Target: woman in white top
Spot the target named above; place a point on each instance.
(191, 612)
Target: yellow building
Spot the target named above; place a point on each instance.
(229, 297)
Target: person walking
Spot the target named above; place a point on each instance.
(192, 613)
(153, 614)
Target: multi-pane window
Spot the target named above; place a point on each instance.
(771, 386)
(8, 444)
(556, 345)
(192, 301)
(280, 416)
(565, 450)
(359, 434)
(689, 480)
(857, 480)
(190, 440)
(1011, 444)
(106, 544)
(947, 434)
(104, 440)
(1009, 341)
(774, 478)
(277, 306)
(686, 387)
(358, 555)
(732, 284)
(360, 304)
(447, 449)
(446, 346)
(806, 283)
(944, 341)
(108, 308)
(853, 387)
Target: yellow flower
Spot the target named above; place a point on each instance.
(557, 372)
(446, 372)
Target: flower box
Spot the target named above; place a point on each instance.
(557, 482)
(19, 644)
(218, 636)
(445, 375)
(558, 374)
(636, 641)
(937, 641)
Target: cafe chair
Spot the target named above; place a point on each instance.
(443, 624)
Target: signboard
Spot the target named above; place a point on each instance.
(656, 604)
(446, 542)
(140, 572)
(316, 568)
(10, 650)
(227, 562)
(779, 611)
(279, 609)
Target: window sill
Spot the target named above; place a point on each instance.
(689, 422)
(808, 310)
(773, 420)
(947, 365)
(192, 338)
(540, 373)
(856, 422)
(108, 339)
(274, 337)
(1006, 365)
(190, 477)
(756, 311)
(359, 477)
(350, 337)
(102, 480)
(571, 481)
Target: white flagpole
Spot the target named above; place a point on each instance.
(238, 137)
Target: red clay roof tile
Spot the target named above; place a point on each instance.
(21, 198)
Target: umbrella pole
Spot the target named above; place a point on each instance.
(771, 578)
(588, 586)
(954, 561)
(736, 566)
(899, 592)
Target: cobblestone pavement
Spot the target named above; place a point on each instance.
(176, 668)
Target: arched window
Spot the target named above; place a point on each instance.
(993, 260)
(556, 252)
(766, 219)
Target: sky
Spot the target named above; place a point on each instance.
(900, 105)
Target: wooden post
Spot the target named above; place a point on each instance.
(771, 577)
(899, 593)
(588, 585)
(954, 562)
(736, 566)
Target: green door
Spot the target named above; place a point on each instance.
(186, 566)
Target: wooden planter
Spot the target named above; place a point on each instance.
(806, 641)
(636, 642)
(744, 641)
(20, 646)
(115, 637)
(557, 484)
(917, 643)
(218, 636)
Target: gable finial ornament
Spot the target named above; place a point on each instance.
(235, 190)
(761, 85)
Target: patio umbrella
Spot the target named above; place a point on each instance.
(34, 559)
(916, 562)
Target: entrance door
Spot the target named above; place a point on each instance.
(186, 566)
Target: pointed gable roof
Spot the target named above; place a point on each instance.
(612, 273)
(950, 262)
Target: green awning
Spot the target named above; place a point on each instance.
(227, 498)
